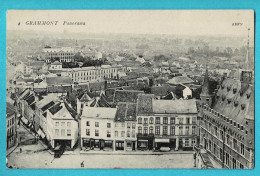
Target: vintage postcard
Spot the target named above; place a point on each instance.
(130, 89)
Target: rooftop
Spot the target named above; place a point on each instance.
(59, 80)
(174, 106)
(180, 80)
(99, 112)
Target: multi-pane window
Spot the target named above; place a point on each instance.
(157, 130)
(234, 163)
(228, 140)
(96, 124)
(128, 133)
(165, 130)
(151, 120)
(151, 130)
(193, 130)
(242, 149)
(193, 120)
(133, 134)
(172, 120)
(165, 120)
(187, 120)
(122, 133)
(139, 120)
(57, 132)
(186, 142)
(180, 120)
(116, 133)
(216, 131)
(140, 130)
(157, 120)
(123, 125)
(145, 121)
(87, 132)
(133, 125)
(62, 124)
(128, 125)
(193, 142)
(56, 123)
(108, 125)
(96, 132)
(235, 144)
(62, 132)
(68, 124)
(221, 135)
(68, 132)
(108, 134)
(180, 130)
(187, 128)
(145, 130)
(227, 159)
(172, 130)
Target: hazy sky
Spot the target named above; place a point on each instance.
(179, 22)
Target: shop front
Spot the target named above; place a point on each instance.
(130, 145)
(145, 142)
(120, 145)
(159, 143)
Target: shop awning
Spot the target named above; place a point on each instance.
(162, 140)
(24, 120)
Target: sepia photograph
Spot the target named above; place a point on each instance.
(130, 89)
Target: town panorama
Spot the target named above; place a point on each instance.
(129, 101)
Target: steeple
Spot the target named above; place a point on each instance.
(205, 96)
(247, 53)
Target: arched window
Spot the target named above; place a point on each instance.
(151, 120)
(151, 130)
(139, 120)
(140, 130)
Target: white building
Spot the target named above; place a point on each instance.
(91, 74)
(97, 126)
(62, 128)
(65, 54)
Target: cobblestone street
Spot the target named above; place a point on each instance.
(29, 159)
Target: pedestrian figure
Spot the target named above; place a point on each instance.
(21, 150)
(82, 164)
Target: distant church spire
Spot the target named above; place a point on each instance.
(205, 95)
(247, 53)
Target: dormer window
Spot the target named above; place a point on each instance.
(248, 95)
(235, 103)
(234, 90)
(228, 88)
(243, 106)
(222, 86)
(241, 92)
(223, 97)
(235, 124)
(229, 100)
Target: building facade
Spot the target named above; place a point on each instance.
(97, 128)
(62, 128)
(11, 134)
(65, 54)
(90, 74)
(227, 126)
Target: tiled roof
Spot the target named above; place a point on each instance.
(235, 100)
(180, 80)
(174, 106)
(126, 112)
(99, 112)
(59, 80)
(145, 104)
(9, 109)
(126, 96)
(59, 111)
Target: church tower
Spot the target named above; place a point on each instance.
(205, 96)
